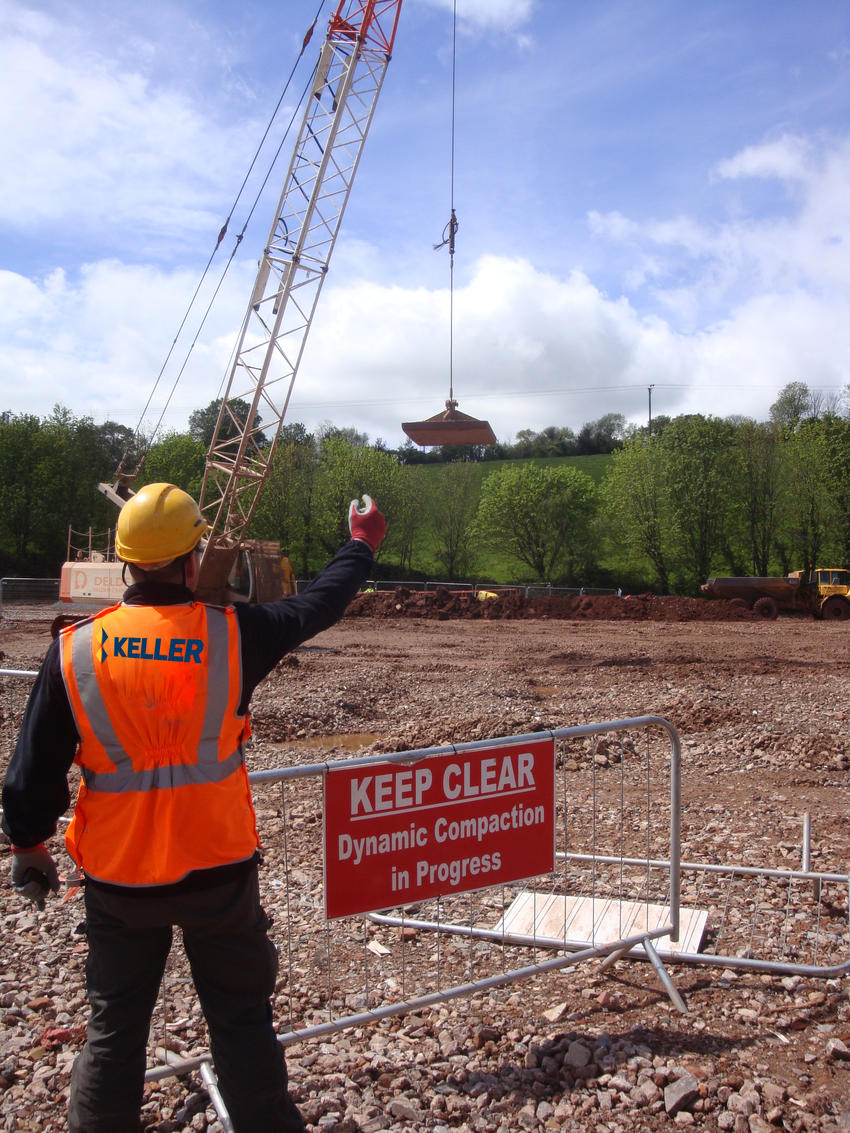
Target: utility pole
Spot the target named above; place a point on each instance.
(649, 390)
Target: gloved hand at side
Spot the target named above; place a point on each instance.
(366, 523)
(34, 873)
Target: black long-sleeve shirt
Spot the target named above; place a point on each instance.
(35, 790)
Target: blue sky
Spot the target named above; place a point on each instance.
(654, 193)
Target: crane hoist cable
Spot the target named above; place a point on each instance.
(451, 427)
(450, 231)
(219, 240)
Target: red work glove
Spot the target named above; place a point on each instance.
(34, 873)
(366, 523)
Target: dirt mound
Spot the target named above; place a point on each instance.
(443, 604)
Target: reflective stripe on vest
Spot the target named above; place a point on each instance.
(208, 768)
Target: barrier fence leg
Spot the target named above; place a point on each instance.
(664, 976)
(209, 1079)
(612, 958)
(661, 971)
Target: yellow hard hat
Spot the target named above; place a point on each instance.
(159, 523)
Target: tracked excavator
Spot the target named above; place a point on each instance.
(346, 83)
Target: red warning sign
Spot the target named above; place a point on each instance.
(398, 833)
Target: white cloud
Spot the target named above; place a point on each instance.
(531, 349)
(97, 342)
(489, 15)
(702, 270)
(94, 144)
(775, 339)
(785, 159)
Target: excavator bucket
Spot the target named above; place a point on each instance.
(451, 427)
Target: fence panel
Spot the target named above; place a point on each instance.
(616, 790)
(27, 591)
(776, 921)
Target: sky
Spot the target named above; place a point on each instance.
(653, 202)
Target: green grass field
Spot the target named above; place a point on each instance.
(593, 466)
(491, 566)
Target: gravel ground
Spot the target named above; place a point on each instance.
(761, 711)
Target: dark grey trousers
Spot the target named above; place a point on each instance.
(234, 968)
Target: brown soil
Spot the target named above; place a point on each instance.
(761, 710)
(442, 603)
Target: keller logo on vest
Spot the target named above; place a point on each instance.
(140, 649)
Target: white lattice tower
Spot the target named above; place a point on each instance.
(347, 81)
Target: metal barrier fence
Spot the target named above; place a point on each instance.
(613, 894)
(42, 590)
(27, 591)
(777, 921)
(527, 590)
(617, 790)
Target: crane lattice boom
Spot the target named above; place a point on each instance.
(347, 81)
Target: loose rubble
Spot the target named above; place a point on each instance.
(443, 603)
(761, 709)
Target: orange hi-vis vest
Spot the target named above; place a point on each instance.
(155, 692)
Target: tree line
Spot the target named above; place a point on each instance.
(697, 495)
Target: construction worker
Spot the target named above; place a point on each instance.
(150, 698)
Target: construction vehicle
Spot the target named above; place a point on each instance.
(823, 592)
(92, 577)
(346, 83)
(259, 574)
